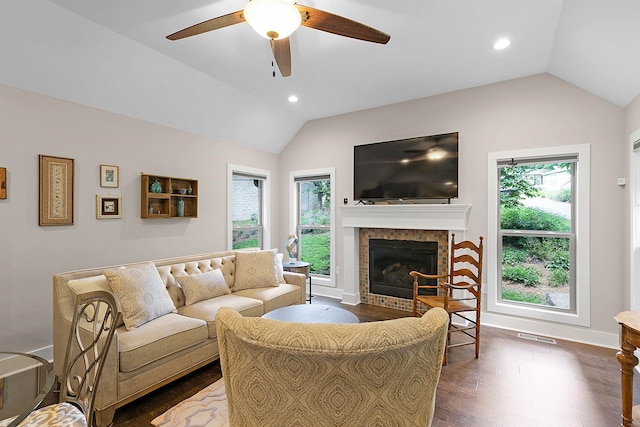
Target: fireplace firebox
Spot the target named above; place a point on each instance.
(390, 262)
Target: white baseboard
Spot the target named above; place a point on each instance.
(325, 291)
(45, 352)
(552, 330)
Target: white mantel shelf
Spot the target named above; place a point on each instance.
(414, 217)
(418, 217)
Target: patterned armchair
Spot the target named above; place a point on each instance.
(300, 374)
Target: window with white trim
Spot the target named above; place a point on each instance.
(247, 207)
(539, 216)
(314, 215)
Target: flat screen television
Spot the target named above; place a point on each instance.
(424, 167)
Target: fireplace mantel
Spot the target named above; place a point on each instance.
(420, 217)
(453, 217)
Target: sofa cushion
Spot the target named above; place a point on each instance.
(206, 310)
(199, 287)
(142, 293)
(274, 297)
(255, 269)
(158, 338)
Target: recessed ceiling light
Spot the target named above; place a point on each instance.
(501, 44)
(293, 98)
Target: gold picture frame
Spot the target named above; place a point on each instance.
(3, 183)
(56, 190)
(109, 176)
(108, 207)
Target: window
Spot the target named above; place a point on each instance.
(538, 213)
(247, 207)
(314, 215)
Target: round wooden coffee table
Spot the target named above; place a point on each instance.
(312, 313)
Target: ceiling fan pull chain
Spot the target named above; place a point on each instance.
(274, 70)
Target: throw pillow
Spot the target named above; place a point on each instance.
(199, 287)
(255, 269)
(279, 269)
(141, 292)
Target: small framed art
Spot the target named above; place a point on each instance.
(108, 207)
(109, 176)
(56, 190)
(3, 183)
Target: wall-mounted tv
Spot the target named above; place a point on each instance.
(424, 167)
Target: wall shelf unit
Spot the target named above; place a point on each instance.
(159, 196)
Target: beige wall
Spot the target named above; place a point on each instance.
(32, 124)
(537, 111)
(632, 116)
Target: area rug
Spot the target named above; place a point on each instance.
(207, 408)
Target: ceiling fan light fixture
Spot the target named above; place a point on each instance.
(501, 43)
(273, 19)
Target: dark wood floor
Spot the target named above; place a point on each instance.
(515, 382)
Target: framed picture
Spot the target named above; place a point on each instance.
(108, 207)
(56, 190)
(3, 183)
(109, 176)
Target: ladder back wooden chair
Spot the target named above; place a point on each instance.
(94, 323)
(458, 293)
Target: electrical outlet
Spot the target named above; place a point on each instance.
(337, 270)
(345, 200)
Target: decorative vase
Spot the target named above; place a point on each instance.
(292, 248)
(180, 207)
(156, 187)
(189, 190)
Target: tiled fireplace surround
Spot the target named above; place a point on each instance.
(423, 222)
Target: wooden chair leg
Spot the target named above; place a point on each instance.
(477, 334)
(446, 347)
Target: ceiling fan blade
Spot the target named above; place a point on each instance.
(209, 25)
(325, 21)
(282, 53)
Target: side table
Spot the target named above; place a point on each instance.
(629, 340)
(301, 267)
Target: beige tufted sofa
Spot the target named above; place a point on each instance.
(155, 353)
(299, 374)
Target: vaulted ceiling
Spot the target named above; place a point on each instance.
(436, 46)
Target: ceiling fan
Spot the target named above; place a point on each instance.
(277, 19)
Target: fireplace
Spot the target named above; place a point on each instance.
(416, 240)
(418, 222)
(390, 262)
